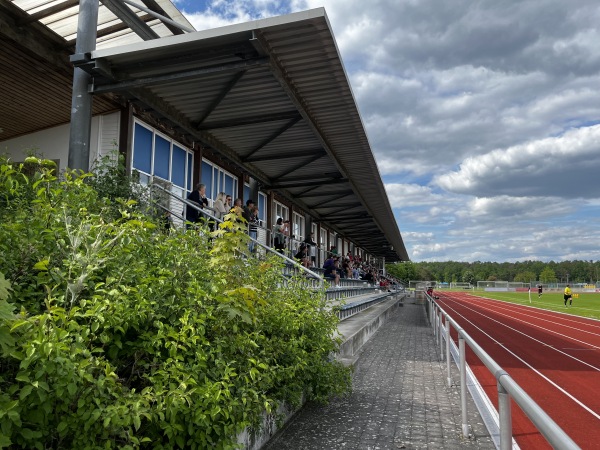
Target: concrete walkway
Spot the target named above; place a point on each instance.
(399, 399)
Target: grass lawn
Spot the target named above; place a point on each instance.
(587, 305)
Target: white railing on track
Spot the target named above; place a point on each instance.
(508, 388)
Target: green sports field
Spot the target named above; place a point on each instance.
(587, 305)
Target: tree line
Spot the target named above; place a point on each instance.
(520, 271)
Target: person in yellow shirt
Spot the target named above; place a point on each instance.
(568, 296)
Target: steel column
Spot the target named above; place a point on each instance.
(442, 329)
(81, 101)
(448, 351)
(463, 385)
(505, 418)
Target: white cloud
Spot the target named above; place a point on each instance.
(565, 166)
(406, 195)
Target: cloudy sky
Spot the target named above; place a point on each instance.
(484, 117)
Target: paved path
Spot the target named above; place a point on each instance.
(399, 399)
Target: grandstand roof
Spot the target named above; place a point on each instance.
(271, 96)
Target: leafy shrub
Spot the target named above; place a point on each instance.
(114, 334)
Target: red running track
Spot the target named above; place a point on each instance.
(554, 357)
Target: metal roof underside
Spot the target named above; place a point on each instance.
(37, 38)
(271, 96)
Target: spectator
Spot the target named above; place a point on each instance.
(302, 255)
(355, 272)
(253, 226)
(311, 248)
(331, 272)
(368, 277)
(280, 232)
(198, 198)
(219, 206)
(247, 210)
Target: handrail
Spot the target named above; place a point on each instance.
(507, 386)
(309, 272)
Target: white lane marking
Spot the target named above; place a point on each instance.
(588, 409)
(502, 304)
(541, 328)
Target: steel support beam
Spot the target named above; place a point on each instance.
(299, 166)
(308, 184)
(217, 101)
(175, 76)
(123, 12)
(81, 101)
(286, 155)
(167, 21)
(277, 133)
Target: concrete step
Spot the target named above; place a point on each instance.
(358, 328)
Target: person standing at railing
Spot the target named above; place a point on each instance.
(280, 232)
(197, 197)
(253, 227)
(247, 210)
(219, 205)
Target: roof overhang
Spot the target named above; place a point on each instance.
(272, 96)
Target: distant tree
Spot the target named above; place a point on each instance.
(492, 278)
(468, 276)
(525, 277)
(547, 275)
(403, 271)
(424, 274)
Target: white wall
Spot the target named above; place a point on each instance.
(53, 143)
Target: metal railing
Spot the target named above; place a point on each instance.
(204, 212)
(441, 322)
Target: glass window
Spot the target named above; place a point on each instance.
(323, 238)
(247, 193)
(229, 187)
(178, 172)
(280, 211)
(262, 207)
(142, 149)
(298, 224)
(162, 157)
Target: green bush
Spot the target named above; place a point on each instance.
(114, 334)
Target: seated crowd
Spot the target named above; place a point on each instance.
(335, 267)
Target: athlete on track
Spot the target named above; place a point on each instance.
(568, 296)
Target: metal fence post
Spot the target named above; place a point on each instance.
(505, 417)
(441, 335)
(448, 350)
(463, 384)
